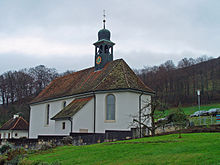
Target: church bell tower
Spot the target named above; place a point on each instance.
(103, 48)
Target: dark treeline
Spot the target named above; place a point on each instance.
(21, 86)
(172, 84)
(178, 84)
(18, 88)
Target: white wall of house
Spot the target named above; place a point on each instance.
(16, 134)
(38, 124)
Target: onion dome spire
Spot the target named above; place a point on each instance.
(103, 47)
(104, 19)
(104, 33)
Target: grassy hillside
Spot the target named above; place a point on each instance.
(200, 148)
(192, 109)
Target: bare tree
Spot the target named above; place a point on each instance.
(184, 63)
(203, 58)
(2, 89)
(151, 110)
(67, 72)
(169, 65)
(42, 76)
(24, 85)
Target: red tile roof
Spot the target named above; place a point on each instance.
(72, 108)
(115, 75)
(17, 123)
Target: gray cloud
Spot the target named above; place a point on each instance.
(60, 33)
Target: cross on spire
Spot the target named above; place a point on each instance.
(104, 19)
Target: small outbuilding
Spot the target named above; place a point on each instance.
(15, 128)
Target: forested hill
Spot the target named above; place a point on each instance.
(174, 85)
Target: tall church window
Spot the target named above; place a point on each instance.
(63, 125)
(110, 107)
(47, 114)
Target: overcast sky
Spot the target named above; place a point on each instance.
(61, 33)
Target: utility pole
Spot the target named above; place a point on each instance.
(198, 93)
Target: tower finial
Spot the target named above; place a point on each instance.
(104, 19)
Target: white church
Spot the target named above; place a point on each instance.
(94, 100)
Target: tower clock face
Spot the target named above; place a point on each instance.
(98, 60)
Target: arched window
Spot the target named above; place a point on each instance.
(64, 104)
(110, 107)
(47, 114)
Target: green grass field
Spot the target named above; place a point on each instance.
(191, 109)
(197, 148)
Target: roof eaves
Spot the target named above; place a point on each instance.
(125, 90)
(10, 120)
(63, 97)
(104, 40)
(60, 118)
(78, 100)
(87, 94)
(25, 121)
(15, 123)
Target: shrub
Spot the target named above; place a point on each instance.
(45, 146)
(5, 147)
(3, 160)
(37, 162)
(40, 163)
(67, 140)
(15, 153)
(56, 163)
(26, 162)
(15, 160)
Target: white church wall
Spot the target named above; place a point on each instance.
(38, 124)
(60, 130)
(127, 105)
(83, 121)
(145, 100)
